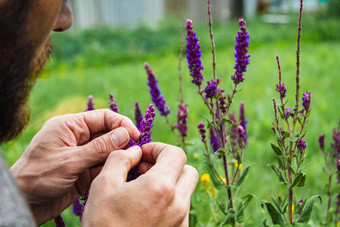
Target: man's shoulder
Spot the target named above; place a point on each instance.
(13, 210)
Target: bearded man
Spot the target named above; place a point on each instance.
(77, 152)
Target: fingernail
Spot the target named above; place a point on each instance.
(120, 137)
(134, 148)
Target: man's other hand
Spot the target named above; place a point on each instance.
(158, 197)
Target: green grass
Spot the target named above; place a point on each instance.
(63, 88)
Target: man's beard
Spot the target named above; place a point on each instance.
(19, 68)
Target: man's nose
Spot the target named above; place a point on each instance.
(64, 19)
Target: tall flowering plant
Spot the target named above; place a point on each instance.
(227, 134)
(290, 149)
(332, 167)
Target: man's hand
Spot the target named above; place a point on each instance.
(65, 156)
(159, 197)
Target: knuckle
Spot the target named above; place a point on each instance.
(100, 146)
(122, 158)
(192, 171)
(163, 189)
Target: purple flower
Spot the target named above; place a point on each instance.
(146, 126)
(157, 99)
(300, 202)
(282, 90)
(241, 50)
(113, 104)
(202, 131)
(90, 104)
(322, 142)
(301, 144)
(241, 136)
(287, 112)
(182, 116)
(338, 167)
(138, 115)
(336, 144)
(214, 140)
(211, 89)
(194, 55)
(222, 101)
(243, 123)
(306, 99)
(78, 208)
(59, 221)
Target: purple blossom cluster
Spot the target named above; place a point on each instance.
(78, 209)
(282, 90)
(157, 99)
(59, 221)
(113, 104)
(336, 144)
(138, 115)
(241, 50)
(202, 132)
(193, 55)
(211, 89)
(215, 145)
(182, 116)
(301, 144)
(90, 104)
(306, 100)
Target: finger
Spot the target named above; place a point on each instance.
(95, 171)
(98, 149)
(186, 184)
(119, 163)
(107, 120)
(145, 166)
(169, 160)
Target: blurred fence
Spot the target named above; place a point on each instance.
(88, 13)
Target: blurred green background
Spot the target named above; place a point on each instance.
(101, 60)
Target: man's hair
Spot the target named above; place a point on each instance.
(17, 69)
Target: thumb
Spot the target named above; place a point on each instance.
(99, 148)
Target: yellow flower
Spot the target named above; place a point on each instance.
(213, 191)
(205, 179)
(338, 224)
(238, 165)
(293, 208)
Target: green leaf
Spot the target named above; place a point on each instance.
(229, 99)
(278, 173)
(214, 178)
(299, 180)
(307, 210)
(265, 223)
(222, 206)
(245, 200)
(220, 152)
(230, 219)
(243, 176)
(335, 189)
(225, 120)
(276, 149)
(275, 215)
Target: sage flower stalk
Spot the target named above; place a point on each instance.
(90, 104)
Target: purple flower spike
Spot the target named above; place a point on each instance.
(182, 116)
(233, 134)
(157, 99)
(59, 221)
(300, 202)
(146, 125)
(202, 131)
(214, 141)
(306, 99)
(78, 209)
(222, 101)
(241, 135)
(241, 50)
(322, 142)
(211, 89)
(243, 123)
(336, 144)
(113, 104)
(194, 55)
(301, 144)
(90, 104)
(138, 115)
(282, 90)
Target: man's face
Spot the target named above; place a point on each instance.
(25, 27)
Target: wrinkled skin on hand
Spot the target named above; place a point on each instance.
(65, 156)
(159, 197)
